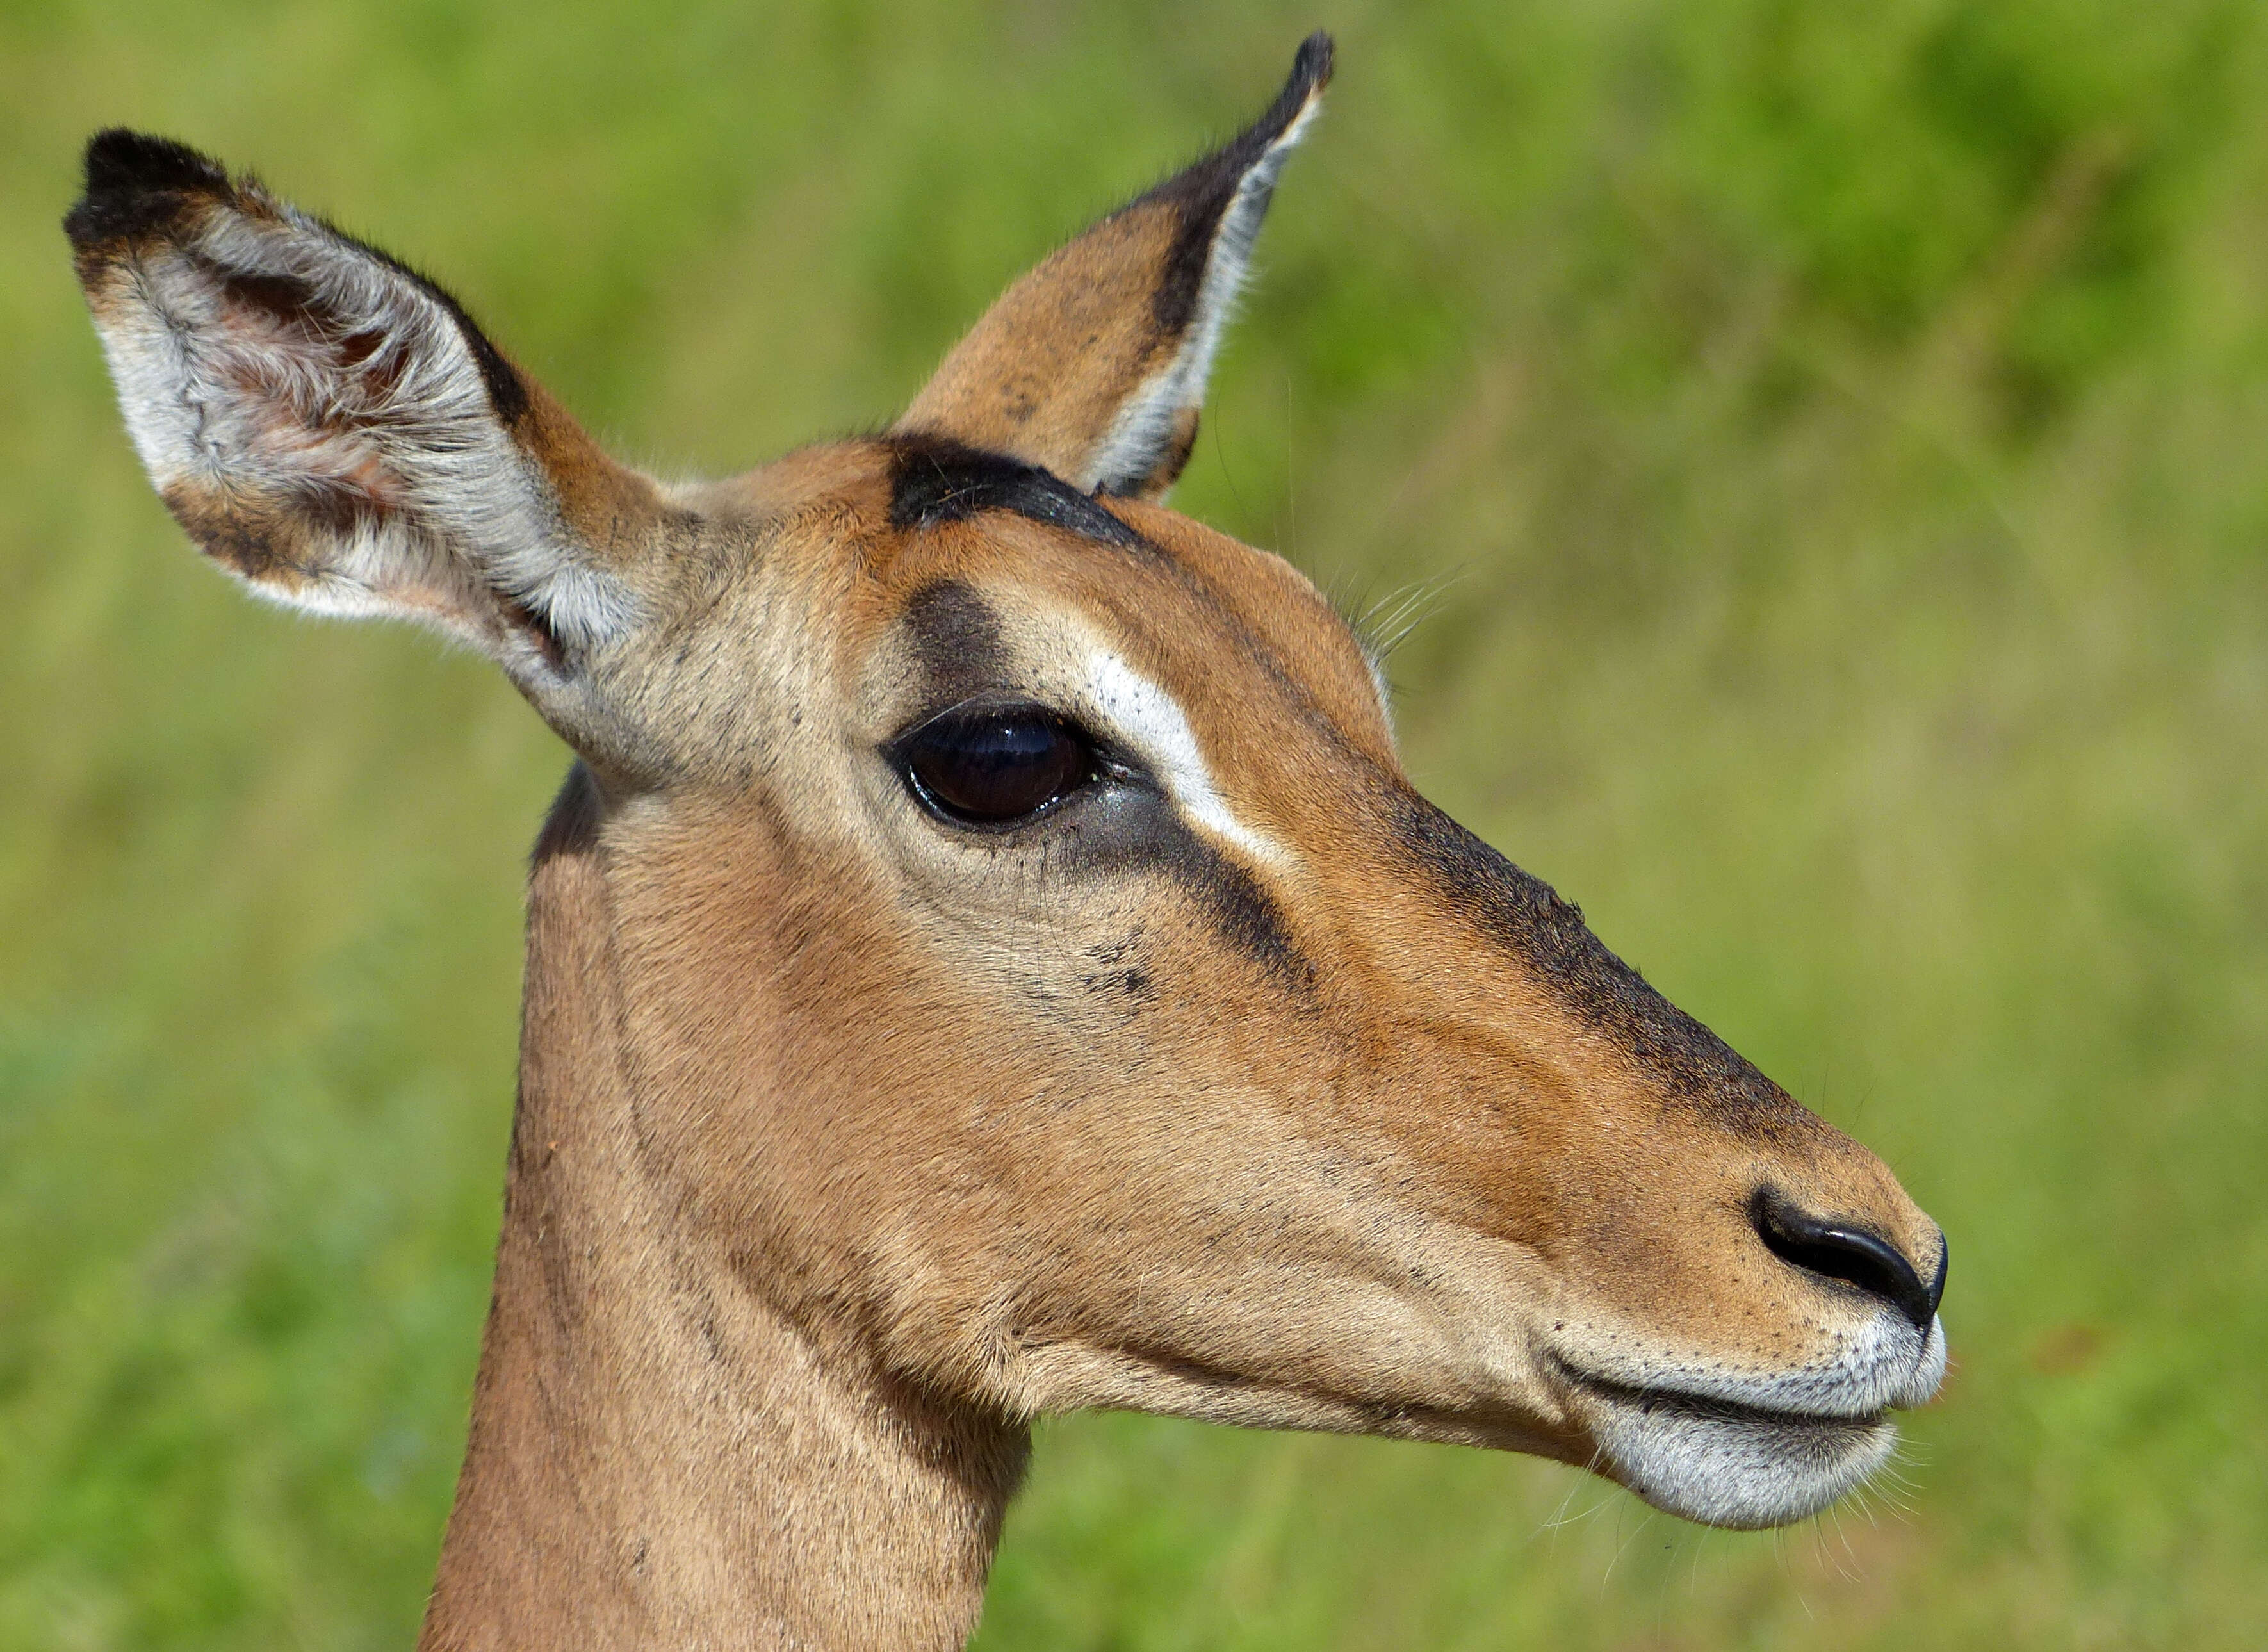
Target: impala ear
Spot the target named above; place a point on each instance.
(1093, 365)
(332, 428)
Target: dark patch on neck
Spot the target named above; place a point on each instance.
(572, 825)
(935, 479)
(1524, 915)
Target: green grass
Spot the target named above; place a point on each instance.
(1837, 434)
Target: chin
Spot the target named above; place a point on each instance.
(1759, 1459)
(1726, 1465)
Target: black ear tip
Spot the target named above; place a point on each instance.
(121, 161)
(1310, 69)
(137, 182)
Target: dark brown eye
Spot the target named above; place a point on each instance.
(994, 766)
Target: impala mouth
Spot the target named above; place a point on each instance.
(1725, 1463)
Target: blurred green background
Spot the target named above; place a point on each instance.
(1829, 440)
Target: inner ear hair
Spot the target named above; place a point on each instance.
(328, 424)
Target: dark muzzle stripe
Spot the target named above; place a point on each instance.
(1527, 918)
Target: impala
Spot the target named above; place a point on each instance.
(987, 960)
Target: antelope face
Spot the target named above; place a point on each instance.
(1040, 976)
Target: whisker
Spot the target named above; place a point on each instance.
(1621, 1548)
(1383, 623)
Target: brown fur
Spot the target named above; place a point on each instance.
(667, 1457)
(850, 1140)
(1041, 375)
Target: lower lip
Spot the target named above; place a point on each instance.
(1648, 1402)
(1703, 1408)
(1729, 1464)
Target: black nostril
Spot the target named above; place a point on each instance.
(1840, 1251)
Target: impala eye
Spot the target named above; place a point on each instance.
(993, 765)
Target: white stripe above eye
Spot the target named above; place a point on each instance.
(1147, 717)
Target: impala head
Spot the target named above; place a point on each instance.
(1040, 974)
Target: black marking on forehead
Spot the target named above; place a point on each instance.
(956, 636)
(1526, 915)
(935, 480)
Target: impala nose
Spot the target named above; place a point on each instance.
(1849, 1252)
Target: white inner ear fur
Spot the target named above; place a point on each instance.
(228, 398)
(1145, 427)
(1138, 711)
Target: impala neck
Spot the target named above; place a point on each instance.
(658, 1457)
